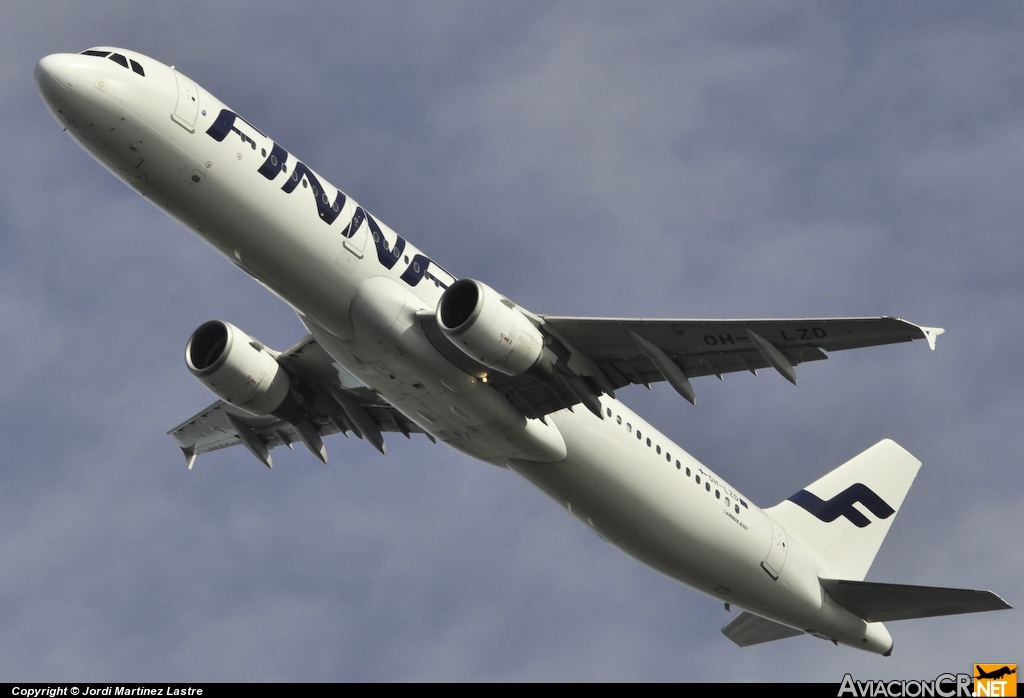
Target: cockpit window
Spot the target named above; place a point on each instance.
(117, 58)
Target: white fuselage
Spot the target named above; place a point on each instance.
(359, 295)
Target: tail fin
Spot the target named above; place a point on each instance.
(845, 515)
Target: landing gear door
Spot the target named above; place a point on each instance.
(776, 557)
(187, 108)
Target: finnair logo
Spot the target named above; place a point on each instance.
(388, 254)
(842, 505)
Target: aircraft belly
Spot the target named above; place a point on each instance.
(399, 363)
(641, 503)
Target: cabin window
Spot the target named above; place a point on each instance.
(698, 478)
(416, 268)
(648, 443)
(618, 420)
(668, 457)
(629, 427)
(316, 192)
(679, 466)
(726, 502)
(687, 470)
(305, 184)
(707, 486)
(119, 59)
(335, 206)
(638, 435)
(658, 449)
(736, 507)
(718, 495)
(273, 160)
(607, 411)
(263, 152)
(284, 168)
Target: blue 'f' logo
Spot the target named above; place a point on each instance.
(842, 505)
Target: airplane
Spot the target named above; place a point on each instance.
(397, 344)
(995, 673)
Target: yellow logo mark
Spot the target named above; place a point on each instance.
(995, 680)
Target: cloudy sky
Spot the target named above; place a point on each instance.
(656, 159)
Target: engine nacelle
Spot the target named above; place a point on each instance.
(228, 362)
(489, 328)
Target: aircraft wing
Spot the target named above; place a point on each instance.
(599, 355)
(334, 400)
(643, 351)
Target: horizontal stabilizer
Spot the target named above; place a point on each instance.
(748, 629)
(873, 601)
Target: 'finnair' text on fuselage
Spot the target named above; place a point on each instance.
(328, 210)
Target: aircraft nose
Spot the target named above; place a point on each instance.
(55, 75)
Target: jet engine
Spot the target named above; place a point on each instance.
(490, 329)
(237, 368)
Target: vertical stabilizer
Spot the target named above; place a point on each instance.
(845, 515)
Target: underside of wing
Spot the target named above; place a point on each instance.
(332, 401)
(714, 347)
(595, 356)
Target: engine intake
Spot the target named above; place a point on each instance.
(489, 328)
(237, 368)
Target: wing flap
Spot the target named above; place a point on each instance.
(873, 601)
